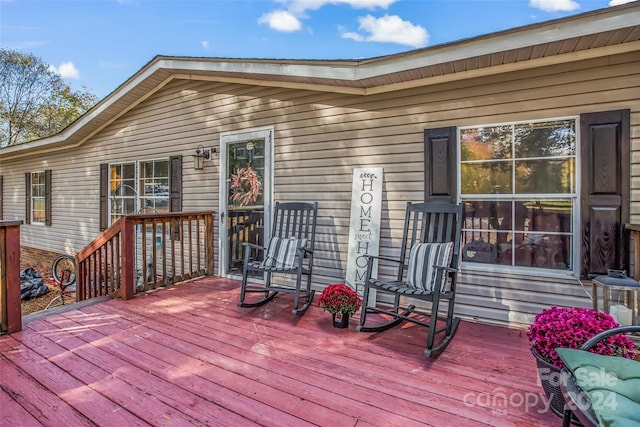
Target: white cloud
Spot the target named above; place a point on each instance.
(281, 20)
(298, 7)
(205, 44)
(288, 19)
(66, 70)
(619, 2)
(554, 5)
(390, 29)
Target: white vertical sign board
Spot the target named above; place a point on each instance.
(364, 226)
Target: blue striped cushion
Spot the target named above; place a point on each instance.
(282, 253)
(423, 257)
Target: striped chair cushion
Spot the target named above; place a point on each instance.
(282, 253)
(423, 257)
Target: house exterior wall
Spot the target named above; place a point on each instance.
(319, 138)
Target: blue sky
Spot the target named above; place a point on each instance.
(101, 43)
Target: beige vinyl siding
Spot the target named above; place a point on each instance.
(319, 138)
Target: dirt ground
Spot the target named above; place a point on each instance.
(38, 304)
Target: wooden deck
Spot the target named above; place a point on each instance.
(188, 356)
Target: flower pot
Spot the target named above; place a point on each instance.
(340, 320)
(550, 378)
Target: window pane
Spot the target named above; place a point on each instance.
(488, 143)
(161, 169)
(488, 215)
(146, 188)
(545, 139)
(146, 170)
(545, 176)
(38, 209)
(550, 216)
(544, 251)
(129, 206)
(37, 191)
(486, 231)
(128, 171)
(162, 188)
(486, 178)
(38, 216)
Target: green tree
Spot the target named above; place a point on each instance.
(34, 101)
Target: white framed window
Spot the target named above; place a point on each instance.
(153, 186)
(38, 198)
(138, 187)
(518, 182)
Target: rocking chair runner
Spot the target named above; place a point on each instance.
(290, 251)
(427, 271)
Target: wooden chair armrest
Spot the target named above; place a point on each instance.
(254, 246)
(381, 257)
(445, 268)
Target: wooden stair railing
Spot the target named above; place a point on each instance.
(141, 252)
(10, 302)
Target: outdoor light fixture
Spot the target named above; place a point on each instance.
(198, 158)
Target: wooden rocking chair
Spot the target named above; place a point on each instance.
(289, 251)
(427, 270)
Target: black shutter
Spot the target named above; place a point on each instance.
(27, 198)
(175, 184)
(175, 193)
(104, 196)
(47, 197)
(605, 191)
(440, 164)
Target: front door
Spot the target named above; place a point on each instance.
(245, 194)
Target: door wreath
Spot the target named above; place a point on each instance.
(245, 186)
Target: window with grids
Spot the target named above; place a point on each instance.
(518, 185)
(141, 187)
(38, 197)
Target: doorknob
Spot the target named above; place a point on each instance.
(222, 217)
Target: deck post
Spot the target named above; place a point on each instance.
(10, 308)
(128, 255)
(208, 238)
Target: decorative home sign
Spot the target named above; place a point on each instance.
(364, 227)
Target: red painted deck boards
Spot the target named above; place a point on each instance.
(188, 355)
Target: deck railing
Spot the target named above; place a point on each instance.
(142, 252)
(10, 309)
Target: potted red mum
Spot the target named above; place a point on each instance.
(341, 301)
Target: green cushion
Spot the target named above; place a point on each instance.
(612, 383)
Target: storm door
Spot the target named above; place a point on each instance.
(245, 194)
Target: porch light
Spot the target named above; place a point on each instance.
(198, 158)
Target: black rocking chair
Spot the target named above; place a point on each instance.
(289, 251)
(427, 271)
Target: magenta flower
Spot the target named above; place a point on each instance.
(570, 327)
